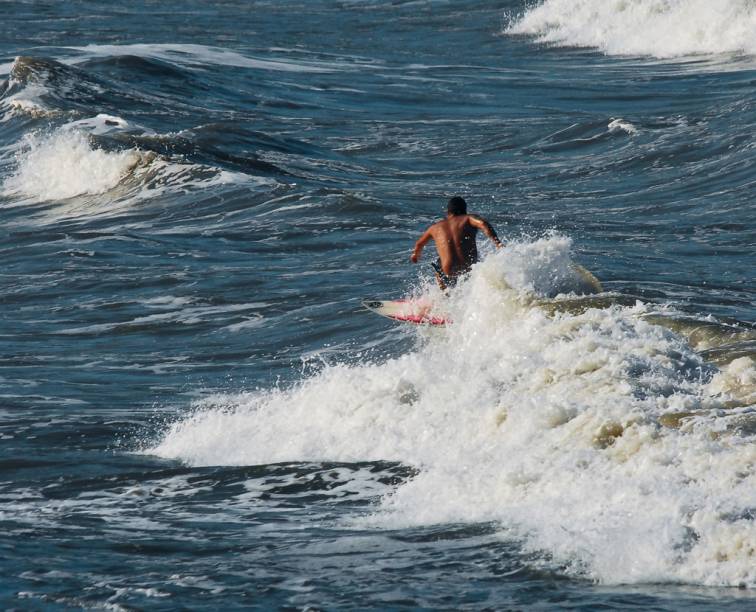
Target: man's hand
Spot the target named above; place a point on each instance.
(414, 257)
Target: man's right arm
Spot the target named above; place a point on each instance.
(421, 242)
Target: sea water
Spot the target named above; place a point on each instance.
(195, 410)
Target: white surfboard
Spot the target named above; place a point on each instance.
(419, 312)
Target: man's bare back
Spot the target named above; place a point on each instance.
(455, 241)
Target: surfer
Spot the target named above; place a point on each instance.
(455, 242)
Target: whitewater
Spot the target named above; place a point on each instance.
(602, 439)
(657, 28)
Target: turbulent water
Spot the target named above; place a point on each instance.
(195, 409)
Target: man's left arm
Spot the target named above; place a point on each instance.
(486, 228)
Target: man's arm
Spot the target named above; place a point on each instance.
(421, 242)
(485, 226)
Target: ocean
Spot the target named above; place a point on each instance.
(196, 410)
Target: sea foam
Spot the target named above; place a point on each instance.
(65, 164)
(657, 28)
(600, 440)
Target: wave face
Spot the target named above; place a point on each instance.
(597, 436)
(656, 28)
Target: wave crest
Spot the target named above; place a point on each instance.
(64, 165)
(657, 28)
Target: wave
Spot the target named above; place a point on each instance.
(602, 440)
(64, 164)
(658, 28)
(90, 105)
(203, 55)
(84, 174)
(89, 155)
(43, 87)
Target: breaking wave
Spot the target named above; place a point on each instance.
(599, 438)
(64, 164)
(657, 28)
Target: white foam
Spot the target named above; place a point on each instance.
(657, 28)
(106, 124)
(738, 378)
(598, 437)
(167, 301)
(619, 125)
(27, 101)
(64, 164)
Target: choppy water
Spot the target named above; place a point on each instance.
(195, 411)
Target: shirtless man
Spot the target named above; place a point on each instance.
(455, 242)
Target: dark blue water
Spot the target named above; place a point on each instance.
(197, 196)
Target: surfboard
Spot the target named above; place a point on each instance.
(418, 312)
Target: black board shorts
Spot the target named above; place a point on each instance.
(448, 281)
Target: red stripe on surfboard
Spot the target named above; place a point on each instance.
(418, 319)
